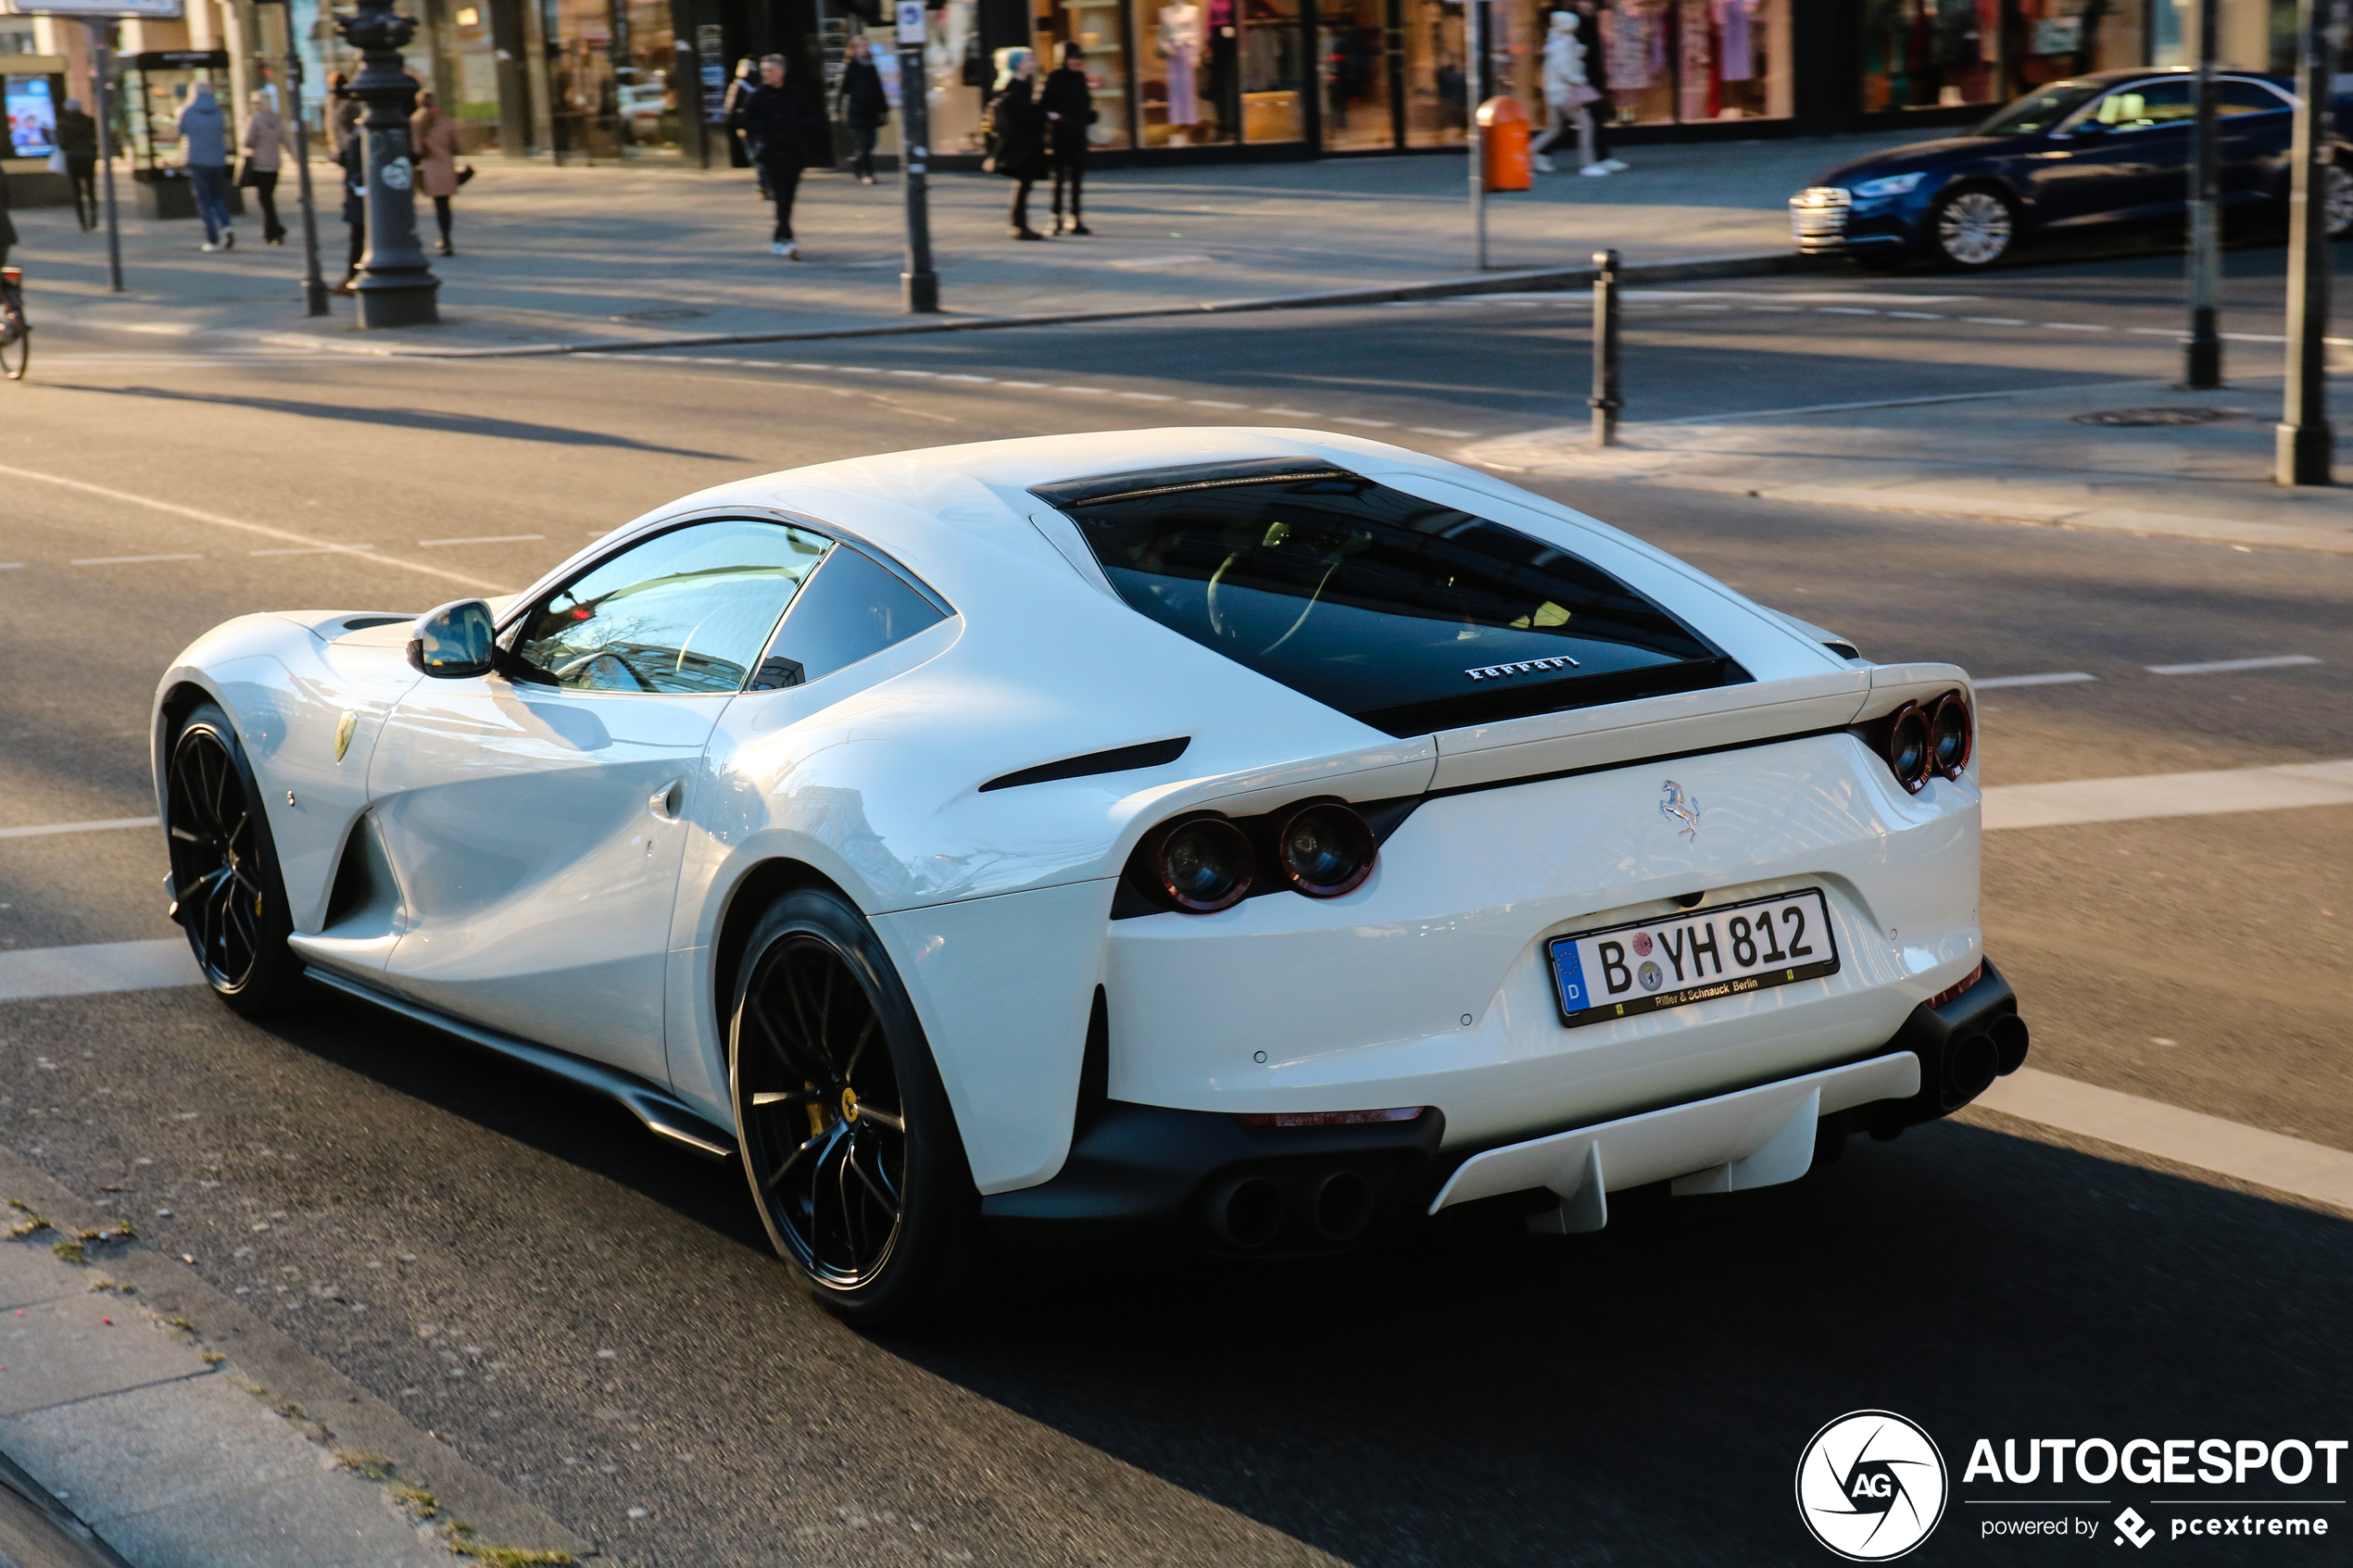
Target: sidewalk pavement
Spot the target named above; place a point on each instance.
(552, 257)
(187, 1433)
(2025, 457)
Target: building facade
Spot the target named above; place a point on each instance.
(614, 81)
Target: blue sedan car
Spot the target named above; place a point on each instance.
(2109, 148)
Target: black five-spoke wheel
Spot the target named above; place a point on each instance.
(847, 1140)
(224, 875)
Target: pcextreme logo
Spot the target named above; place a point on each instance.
(1871, 1485)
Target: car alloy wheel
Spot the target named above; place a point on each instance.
(1973, 228)
(227, 894)
(2338, 198)
(848, 1142)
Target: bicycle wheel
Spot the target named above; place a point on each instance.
(16, 336)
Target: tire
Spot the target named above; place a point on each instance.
(848, 1145)
(16, 337)
(1973, 228)
(227, 892)
(2337, 200)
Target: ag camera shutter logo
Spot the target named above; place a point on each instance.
(1871, 1485)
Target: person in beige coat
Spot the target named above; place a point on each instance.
(433, 142)
(265, 146)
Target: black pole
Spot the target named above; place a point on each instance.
(314, 282)
(920, 284)
(2304, 454)
(2205, 349)
(395, 286)
(1605, 401)
(101, 65)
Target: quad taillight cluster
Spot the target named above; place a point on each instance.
(1928, 740)
(1203, 864)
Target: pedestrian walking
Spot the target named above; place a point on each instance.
(348, 110)
(78, 140)
(7, 228)
(1069, 100)
(864, 106)
(1567, 96)
(1596, 23)
(351, 156)
(1017, 126)
(265, 146)
(433, 141)
(775, 120)
(204, 145)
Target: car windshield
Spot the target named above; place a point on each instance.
(2039, 111)
(1408, 615)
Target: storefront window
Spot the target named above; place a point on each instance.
(1187, 53)
(1093, 25)
(959, 74)
(1435, 93)
(1693, 62)
(1353, 66)
(646, 86)
(469, 74)
(1273, 78)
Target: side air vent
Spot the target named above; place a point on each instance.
(1119, 760)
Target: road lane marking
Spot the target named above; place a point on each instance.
(1998, 320)
(1918, 315)
(2290, 787)
(1150, 397)
(127, 560)
(1843, 311)
(2074, 327)
(944, 376)
(263, 529)
(1294, 413)
(1205, 402)
(1369, 425)
(312, 550)
(2188, 1137)
(107, 825)
(2055, 678)
(2227, 666)
(96, 968)
(11, 565)
(482, 539)
(1434, 430)
(1040, 386)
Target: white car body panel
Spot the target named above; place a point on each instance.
(534, 892)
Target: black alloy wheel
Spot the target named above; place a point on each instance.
(226, 890)
(848, 1142)
(1973, 227)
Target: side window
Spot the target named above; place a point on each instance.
(685, 612)
(2146, 104)
(853, 609)
(2235, 95)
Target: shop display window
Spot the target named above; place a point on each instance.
(1352, 64)
(1437, 112)
(1693, 62)
(1094, 25)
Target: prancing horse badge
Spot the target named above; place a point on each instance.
(1679, 807)
(344, 727)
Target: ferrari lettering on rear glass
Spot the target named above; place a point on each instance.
(1692, 957)
(1497, 671)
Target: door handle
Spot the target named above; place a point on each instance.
(665, 801)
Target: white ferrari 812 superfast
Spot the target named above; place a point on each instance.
(1230, 839)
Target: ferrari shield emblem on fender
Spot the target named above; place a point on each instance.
(1677, 807)
(343, 726)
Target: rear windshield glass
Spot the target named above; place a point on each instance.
(1410, 616)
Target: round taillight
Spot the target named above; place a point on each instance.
(1951, 735)
(1324, 850)
(1204, 865)
(1909, 749)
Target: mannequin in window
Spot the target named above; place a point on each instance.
(1180, 39)
(1568, 96)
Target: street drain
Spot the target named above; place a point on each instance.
(2138, 417)
(670, 313)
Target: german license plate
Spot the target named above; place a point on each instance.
(1727, 950)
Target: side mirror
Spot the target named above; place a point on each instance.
(454, 640)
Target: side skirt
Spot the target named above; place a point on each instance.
(663, 1113)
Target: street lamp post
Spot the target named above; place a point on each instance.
(919, 281)
(101, 68)
(1474, 84)
(2204, 370)
(396, 288)
(2303, 454)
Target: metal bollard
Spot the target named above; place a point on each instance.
(1605, 401)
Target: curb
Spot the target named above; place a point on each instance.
(1769, 265)
(44, 1533)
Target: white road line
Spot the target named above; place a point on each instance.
(1996, 320)
(1213, 403)
(483, 539)
(313, 550)
(2074, 327)
(217, 521)
(1089, 390)
(1918, 315)
(2189, 1137)
(2252, 337)
(96, 967)
(2157, 332)
(1040, 386)
(1780, 309)
(927, 374)
(860, 370)
(1434, 429)
(947, 377)
(804, 365)
(2290, 787)
(2055, 678)
(1368, 424)
(1843, 311)
(1150, 397)
(108, 825)
(11, 565)
(1294, 413)
(2228, 666)
(127, 560)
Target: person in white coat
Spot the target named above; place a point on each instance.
(1568, 95)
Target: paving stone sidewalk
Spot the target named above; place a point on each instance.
(2019, 456)
(185, 1434)
(589, 256)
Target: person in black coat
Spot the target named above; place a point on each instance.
(351, 154)
(1017, 128)
(78, 139)
(776, 120)
(1069, 102)
(864, 106)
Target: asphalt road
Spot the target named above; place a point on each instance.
(469, 1242)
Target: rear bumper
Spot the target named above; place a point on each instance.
(1152, 1176)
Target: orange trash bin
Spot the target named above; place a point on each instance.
(1502, 139)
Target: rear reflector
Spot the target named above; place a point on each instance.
(1329, 1117)
(1971, 978)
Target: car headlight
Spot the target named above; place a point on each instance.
(1892, 185)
